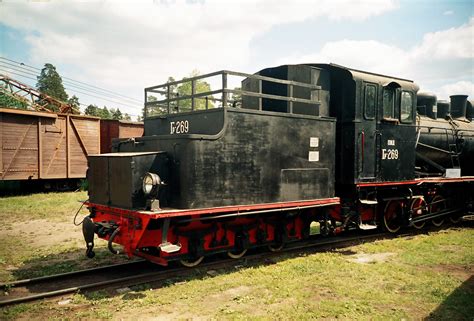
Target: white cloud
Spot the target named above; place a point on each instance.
(451, 43)
(441, 58)
(129, 45)
(365, 55)
(458, 88)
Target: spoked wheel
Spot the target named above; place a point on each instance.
(437, 207)
(418, 208)
(191, 262)
(392, 216)
(276, 247)
(236, 255)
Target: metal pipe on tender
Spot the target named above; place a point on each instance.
(443, 108)
(458, 106)
(470, 110)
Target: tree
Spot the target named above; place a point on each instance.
(92, 110)
(74, 102)
(7, 100)
(236, 99)
(200, 86)
(116, 114)
(153, 110)
(51, 83)
(175, 91)
(127, 117)
(104, 113)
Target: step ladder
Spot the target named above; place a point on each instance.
(455, 171)
(453, 151)
(364, 226)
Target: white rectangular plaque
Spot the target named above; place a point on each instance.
(314, 142)
(313, 156)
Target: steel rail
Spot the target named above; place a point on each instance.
(167, 273)
(66, 274)
(314, 243)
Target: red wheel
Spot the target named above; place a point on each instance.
(418, 207)
(437, 205)
(392, 216)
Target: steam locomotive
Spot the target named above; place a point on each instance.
(227, 170)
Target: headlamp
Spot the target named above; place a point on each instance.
(151, 184)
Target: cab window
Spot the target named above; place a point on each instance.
(370, 98)
(406, 107)
(388, 102)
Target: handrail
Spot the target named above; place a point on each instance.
(173, 97)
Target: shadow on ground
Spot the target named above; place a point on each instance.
(458, 305)
(71, 260)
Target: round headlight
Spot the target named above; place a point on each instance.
(151, 184)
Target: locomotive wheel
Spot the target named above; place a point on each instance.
(418, 206)
(234, 255)
(191, 263)
(455, 219)
(392, 216)
(276, 247)
(439, 206)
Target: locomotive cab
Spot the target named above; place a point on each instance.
(376, 126)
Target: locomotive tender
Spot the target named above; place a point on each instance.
(231, 169)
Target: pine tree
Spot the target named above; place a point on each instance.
(51, 83)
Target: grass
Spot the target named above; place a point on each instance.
(427, 276)
(39, 237)
(51, 206)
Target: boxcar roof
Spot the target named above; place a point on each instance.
(28, 112)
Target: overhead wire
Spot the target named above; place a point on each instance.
(27, 77)
(73, 80)
(17, 71)
(66, 84)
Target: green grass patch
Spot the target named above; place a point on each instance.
(39, 237)
(51, 206)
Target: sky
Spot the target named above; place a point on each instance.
(125, 46)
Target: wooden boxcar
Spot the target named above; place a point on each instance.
(39, 145)
(52, 148)
(110, 129)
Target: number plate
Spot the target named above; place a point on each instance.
(388, 153)
(179, 127)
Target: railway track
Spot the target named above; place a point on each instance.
(140, 272)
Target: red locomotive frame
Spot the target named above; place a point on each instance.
(220, 229)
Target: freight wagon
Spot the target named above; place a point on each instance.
(49, 150)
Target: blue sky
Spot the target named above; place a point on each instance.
(141, 43)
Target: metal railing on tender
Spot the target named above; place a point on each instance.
(195, 93)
